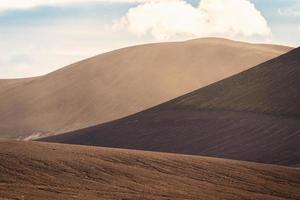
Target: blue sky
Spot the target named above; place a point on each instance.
(41, 37)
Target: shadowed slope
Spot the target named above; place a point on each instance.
(252, 116)
(122, 82)
(31, 170)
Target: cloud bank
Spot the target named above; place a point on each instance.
(6, 5)
(165, 20)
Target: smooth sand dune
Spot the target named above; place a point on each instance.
(32, 170)
(253, 116)
(122, 82)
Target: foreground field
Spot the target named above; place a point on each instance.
(33, 170)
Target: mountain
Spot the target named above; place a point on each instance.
(33, 170)
(253, 116)
(119, 83)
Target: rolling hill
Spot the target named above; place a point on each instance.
(253, 116)
(119, 83)
(7, 84)
(33, 170)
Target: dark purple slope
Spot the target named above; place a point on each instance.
(252, 116)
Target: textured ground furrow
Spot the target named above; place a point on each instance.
(33, 170)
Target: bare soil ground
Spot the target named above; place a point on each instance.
(34, 170)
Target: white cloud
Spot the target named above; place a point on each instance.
(294, 12)
(167, 20)
(25, 4)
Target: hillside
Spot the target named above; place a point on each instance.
(119, 83)
(32, 170)
(7, 84)
(253, 116)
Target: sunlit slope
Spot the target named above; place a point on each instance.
(8, 84)
(122, 82)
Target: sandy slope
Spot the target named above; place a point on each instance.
(252, 116)
(8, 84)
(31, 170)
(122, 82)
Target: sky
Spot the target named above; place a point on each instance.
(40, 36)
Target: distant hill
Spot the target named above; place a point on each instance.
(120, 83)
(253, 116)
(32, 170)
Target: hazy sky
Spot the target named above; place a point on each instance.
(39, 36)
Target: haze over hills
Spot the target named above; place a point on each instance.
(253, 116)
(33, 170)
(119, 83)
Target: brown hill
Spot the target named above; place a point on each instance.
(122, 82)
(252, 116)
(32, 170)
(8, 84)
